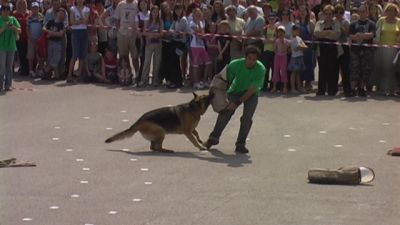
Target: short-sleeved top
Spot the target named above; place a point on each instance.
(242, 78)
(153, 28)
(8, 37)
(35, 26)
(388, 31)
(270, 33)
(111, 65)
(75, 12)
(294, 43)
(94, 61)
(281, 46)
(127, 12)
(23, 21)
(362, 26)
(196, 42)
(255, 24)
(56, 27)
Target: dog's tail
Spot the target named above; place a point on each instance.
(124, 134)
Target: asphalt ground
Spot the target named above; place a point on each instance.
(80, 180)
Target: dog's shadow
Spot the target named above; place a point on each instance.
(212, 155)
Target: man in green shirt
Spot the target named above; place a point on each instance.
(246, 78)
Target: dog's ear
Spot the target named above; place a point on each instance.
(194, 94)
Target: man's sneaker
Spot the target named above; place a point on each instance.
(241, 149)
(211, 142)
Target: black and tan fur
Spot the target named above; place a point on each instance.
(179, 119)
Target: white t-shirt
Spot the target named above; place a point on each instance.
(77, 14)
(196, 41)
(294, 43)
(126, 13)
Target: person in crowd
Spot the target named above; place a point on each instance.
(95, 65)
(168, 48)
(267, 10)
(254, 27)
(152, 32)
(102, 31)
(268, 55)
(218, 13)
(22, 14)
(327, 30)
(344, 55)
(33, 32)
(212, 48)
(126, 13)
(200, 60)
(296, 63)
(93, 23)
(375, 12)
(361, 57)
(236, 26)
(286, 21)
(179, 31)
(79, 19)
(246, 78)
(55, 33)
(46, 5)
(280, 61)
(109, 19)
(9, 30)
(387, 33)
(141, 19)
(111, 66)
(224, 42)
(306, 26)
(125, 72)
(238, 8)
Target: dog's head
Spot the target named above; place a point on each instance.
(201, 102)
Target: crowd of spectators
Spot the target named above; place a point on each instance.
(187, 42)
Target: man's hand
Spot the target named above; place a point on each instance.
(231, 106)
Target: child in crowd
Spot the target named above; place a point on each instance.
(224, 54)
(124, 74)
(268, 54)
(280, 60)
(34, 31)
(54, 32)
(201, 62)
(212, 48)
(95, 68)
(111, 67)
(296, 64)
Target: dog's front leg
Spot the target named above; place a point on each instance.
(192, 139)
(196, 134)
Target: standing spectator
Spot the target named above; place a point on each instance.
(307, 26)
(375, 12)
(361, 58)
(93, 23)
(246, 77)
(152, 32)
(296, 64)
(224, 55)
(109, 19)
(9, 29)
(280, 61)
(55, 33)
(268, 55)
(238, 7)
(236, 26)
(168, 49)
(79, 20)
(46, 5)
(22, 13)
(387, 33)
(102, 31)
(34, 31)
(141, 19)
(200, 61)
(327, 30)
(126, 13)
(218, 13)
(211, 48)
(254, 28)
(286, 21)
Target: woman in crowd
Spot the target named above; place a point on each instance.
(168, 49)
(79, 37)
(142, 18)
(108, 18)
(327, 30)
(236, 25)
(22, 13)
(9, 29)
(387, 33)
(218, 13)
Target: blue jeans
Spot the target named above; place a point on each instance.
(246, 120)
(6, 71)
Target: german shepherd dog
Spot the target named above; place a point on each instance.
(179, 119)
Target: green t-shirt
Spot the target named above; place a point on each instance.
(8, 37)
(241, 78)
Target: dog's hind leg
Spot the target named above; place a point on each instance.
(196, 134)
(155, 135)
(192, 139)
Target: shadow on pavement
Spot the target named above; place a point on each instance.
(231, 160)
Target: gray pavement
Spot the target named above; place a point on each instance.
(81, 180)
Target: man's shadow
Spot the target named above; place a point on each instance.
(212, 155)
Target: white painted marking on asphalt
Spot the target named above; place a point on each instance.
(299, 101)
(125, 149)
(86, 169)
(69, 150)
(322, 131)
(343, 98)
(287, 135)
(27, 219)
(108, 128)
(86, 117)
(137, 200)
(133, 159)
(80, 160)
(385, 124)
(57, 127)
(292, 150)
(88, 224)
(144, 169)
(123, 111)
(84, 182)
(125, 120)
(148, 182)
(112, 212)
(55, 139)
(74, 196)
(352, 128)
(382, 141)
(54, 207)
(338, 146)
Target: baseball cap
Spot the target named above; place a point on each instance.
(35, 4)
(282, 28)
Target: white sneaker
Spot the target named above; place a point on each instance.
(32, 74)
(198, 86)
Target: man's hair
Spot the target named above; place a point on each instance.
(251, 49)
